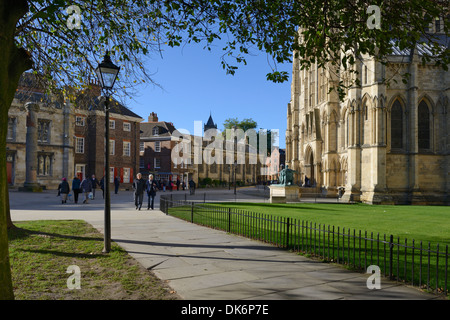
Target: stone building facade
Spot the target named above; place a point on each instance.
(382, 144)
(67, 140)
(220, 161)
(50, 147)
(161, 154)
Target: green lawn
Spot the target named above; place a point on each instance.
(41, 252)
(422, 223)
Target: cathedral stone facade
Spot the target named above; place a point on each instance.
(383, 144)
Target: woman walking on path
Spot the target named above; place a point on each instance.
(76, 185)
(86, 188)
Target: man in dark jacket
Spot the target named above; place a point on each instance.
(192, 186)
(63, 190)
(151, 187)
(116, 184)
(139, 187)
(94, 183)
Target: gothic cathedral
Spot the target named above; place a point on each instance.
(383, 144)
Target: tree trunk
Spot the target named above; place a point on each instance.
(9, 222)
(13, 62)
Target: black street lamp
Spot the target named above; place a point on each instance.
(107, 74)
(235, 148)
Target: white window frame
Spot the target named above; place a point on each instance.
(157, 163)
(111, 175)
(127, 148)
(157, 146)
(141, 146)
(126, 175)
(126, 126)
(112, 147)
(79, 145)
(112, 124)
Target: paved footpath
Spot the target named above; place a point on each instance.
(204, 264)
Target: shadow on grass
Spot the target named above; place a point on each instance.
(64, 254)
(18, 233)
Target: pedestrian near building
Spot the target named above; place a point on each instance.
(76, 188)
(94, 183)
(86, 188)
(116, 184)
(192, 186)
(139, 187)
(63, 190)
(151, 187)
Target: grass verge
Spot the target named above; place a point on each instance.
(42, 251)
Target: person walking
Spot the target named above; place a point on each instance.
(192, 186)
(63, 190)
(151, 187)
(138, 186)
(86, 188)
(116, 184)
(94, 183)
(76, 188)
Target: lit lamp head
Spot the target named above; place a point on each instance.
(107, 72)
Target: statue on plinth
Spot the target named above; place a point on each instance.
(286, 176)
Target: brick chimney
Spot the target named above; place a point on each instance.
(153, 117)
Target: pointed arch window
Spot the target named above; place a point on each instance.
(397, 125)
(424, 125)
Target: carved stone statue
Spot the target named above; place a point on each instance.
(286, 176)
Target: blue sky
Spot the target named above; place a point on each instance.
(195, 85)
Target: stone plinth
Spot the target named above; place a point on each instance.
(31, 187)
(283, 194)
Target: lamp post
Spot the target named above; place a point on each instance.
(235, 165)
(107, 74)
(235, 155)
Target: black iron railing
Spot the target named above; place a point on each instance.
(418, 264)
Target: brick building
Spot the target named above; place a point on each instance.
(89, 139)
(156, 147)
